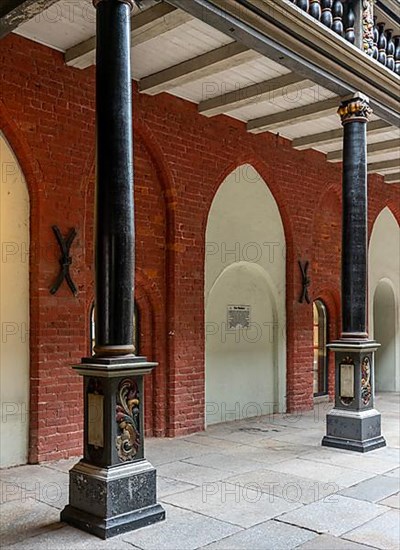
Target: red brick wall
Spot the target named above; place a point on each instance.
(181, 158)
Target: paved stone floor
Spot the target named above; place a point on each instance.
(264, 483)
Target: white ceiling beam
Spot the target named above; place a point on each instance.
(146, 25)
(372, 149)
(269, 90)
(331, 136)
(226, 57)
(142, 33)
(384, 165)
(393, 178)
(305, 113)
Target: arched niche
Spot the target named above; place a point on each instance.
(386, 377)
(244, 284)
(14, 310)
(384, 293)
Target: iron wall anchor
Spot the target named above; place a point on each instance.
(306, 281)
(65, 260)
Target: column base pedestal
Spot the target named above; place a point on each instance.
(106, 528)
(353, 430)
(352, 445)
(109, 501)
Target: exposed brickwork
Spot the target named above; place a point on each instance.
(181, 158)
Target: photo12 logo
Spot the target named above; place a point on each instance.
(271, 491)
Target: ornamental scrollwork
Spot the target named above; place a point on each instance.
(366, 390)
(368, 26)
(127, 417)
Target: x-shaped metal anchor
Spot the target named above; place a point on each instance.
(65, 260)
(306, 281)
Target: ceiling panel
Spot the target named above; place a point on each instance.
(279, 103)
(331, 122)
(63, 25)
(190, 40)
(235, 79)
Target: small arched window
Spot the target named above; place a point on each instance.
(320, 367)
(136, 329)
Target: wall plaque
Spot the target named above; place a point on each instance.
(346, 380)
(238, 317)
(95, 420)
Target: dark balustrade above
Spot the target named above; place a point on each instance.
(355, 21)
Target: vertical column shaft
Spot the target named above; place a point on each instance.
(354, 114)
(353, 423)
(114, 234)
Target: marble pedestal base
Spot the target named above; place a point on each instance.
(354, 423)
(109, 501)
(355, 431)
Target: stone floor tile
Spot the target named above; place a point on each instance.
(301, 420)
(382, 532)
(38, 483)
(189, 473)
(226, 462)
(270, 535)
(21, 520)
(386, 453)
(30, 474)
(277, 445)
(343, 477)
(247, 436)
(203, 438)
(68, 538)
(163, 451)
(289, 487)
(183, 530)
(285, 455)
(374, 489)
(301, 437)
(269, 454)
(327, 542)
(347, 459)
(167, 486)
(232, 503)
(334, 516)
(393, 473)
(9, 491)
(392, 501)
(63, 465)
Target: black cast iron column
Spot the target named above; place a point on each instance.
(112, 490)
(354, 423)
(354, 114)
(114, 249)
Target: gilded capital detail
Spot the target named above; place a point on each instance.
(356, 108)
(130, 3)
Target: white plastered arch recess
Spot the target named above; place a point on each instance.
(14, 309)
(384, 296)
(245, 265)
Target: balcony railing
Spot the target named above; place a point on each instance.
(355, 21)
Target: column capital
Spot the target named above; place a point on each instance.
(355, 108)
(130, 3)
